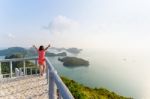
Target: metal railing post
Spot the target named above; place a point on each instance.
(1, 76)
(24, 66)
(47, 72)
(0, 69)
(36, 62)
(10, 69)
(31, 70)
(52, 89)
(59, 95)
(52, 77)
(26, 71)
(35, 70)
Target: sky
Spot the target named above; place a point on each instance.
(108, 24)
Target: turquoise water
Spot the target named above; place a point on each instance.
(124, 72)
(2, 57)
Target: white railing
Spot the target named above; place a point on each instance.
(53, 79)
(16, 60)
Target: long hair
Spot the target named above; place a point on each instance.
(41, 48)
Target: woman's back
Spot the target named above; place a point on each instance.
(41, 54)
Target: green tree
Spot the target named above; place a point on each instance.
(18, 64)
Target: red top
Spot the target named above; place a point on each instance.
(41, 58)
(41, 54)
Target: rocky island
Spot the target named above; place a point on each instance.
(73, 61)
(72, 50)
(58, 54)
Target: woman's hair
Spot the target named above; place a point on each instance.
(41, 48)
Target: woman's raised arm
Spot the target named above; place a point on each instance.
(47, 47)
(35, 47)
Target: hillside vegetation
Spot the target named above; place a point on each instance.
(80, 91)
(27, 52)
(18, 64)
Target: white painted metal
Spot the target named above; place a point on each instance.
(66, 94)
(10, 69)
(16, 72)
(52, 76)
(1, 76)
(24, 66)
(52, 88)
(0, 69)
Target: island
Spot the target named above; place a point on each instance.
(58, 54)
(72, 50)
(13, 50)
(27, 52)
(58, 49)
(73, 61)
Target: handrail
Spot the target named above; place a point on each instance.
(14, 60)
(64, 91)
(52, 77)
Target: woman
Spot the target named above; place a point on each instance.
(41, 58)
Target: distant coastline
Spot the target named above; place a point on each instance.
(27, 52)
(72, 50)
(32, 52)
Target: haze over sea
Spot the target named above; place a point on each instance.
(124, 72)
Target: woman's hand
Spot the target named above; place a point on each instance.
(35, 47)
(47, 47)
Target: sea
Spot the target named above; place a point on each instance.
(126, 72)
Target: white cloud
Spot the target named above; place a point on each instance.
(63, 31)
(62, 24)
(10, 35)
(68, 32)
